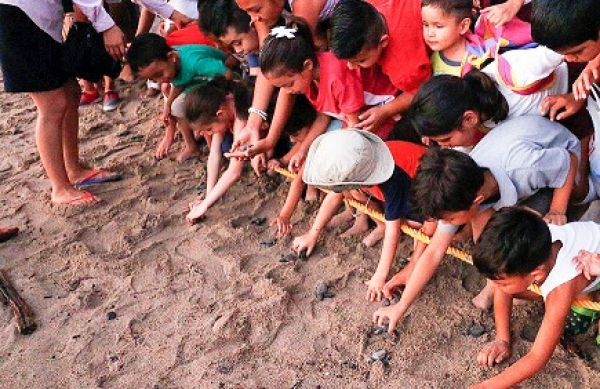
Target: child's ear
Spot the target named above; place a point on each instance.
(308, 65)
(384, 40)
(470, 119)
(538, 274)
(463, 26)
(479, 199)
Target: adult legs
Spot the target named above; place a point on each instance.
(56, 138)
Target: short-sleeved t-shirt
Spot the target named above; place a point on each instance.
(405, 59)
(525, 154)
(395, 192)
(198, 64)
(574, 237)
(340, 89)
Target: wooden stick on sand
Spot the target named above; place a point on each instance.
(21, 311)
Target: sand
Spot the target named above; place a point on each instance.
(208, 306)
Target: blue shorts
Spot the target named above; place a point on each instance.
(31, 60)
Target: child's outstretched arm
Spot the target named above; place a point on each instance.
(558, 304)
(388, 252)
(424, 269)
(560, 199)
(282, 221)
(213, 165)
(318, 127)
(588, 263)
(309, 240)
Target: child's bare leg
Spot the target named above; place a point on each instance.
(360, 226)
(376, 235)
(190, 149)
(485, 298)
(345, 216)
(312, 193)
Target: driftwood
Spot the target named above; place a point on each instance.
(21, 311)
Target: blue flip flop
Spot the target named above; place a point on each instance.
(93, 178)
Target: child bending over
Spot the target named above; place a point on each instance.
(508, 166)
(184, 67)
(296, 128)
(218, 110)
(347, 160)
(517, 249)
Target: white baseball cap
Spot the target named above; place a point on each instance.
(348, 157)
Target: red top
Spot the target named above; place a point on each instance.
(405, 59)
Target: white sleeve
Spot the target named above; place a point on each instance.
(95, 13)
(158, 6)
(530, 65)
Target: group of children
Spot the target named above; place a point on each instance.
(459, 123)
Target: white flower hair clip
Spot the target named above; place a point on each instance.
(283, 32)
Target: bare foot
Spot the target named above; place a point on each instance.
(360, 226)
(374, 236)
(485, 298)
(74, 197)
(187, 153)
(126, 74)
(312, 194)
(341, 218)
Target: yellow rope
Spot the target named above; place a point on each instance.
(416, 234)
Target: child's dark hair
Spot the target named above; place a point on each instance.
(145, 49)
(303, 115)
(355, 25)
(561, 24)
(459, 9)
(446, 181)
(216, 16)
(280, 54)
(514, 242)
(439, 105)
(202, 102)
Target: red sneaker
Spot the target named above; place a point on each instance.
(111, 101)
(89, 97)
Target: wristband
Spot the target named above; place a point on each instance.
(263, 115)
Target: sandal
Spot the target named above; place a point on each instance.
(579, 320)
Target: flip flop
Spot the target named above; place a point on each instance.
(85, 195)
(93, 178)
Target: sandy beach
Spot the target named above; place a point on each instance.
(128, 295)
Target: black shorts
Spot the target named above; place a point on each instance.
(31, 60)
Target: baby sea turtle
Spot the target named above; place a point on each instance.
(322, 292)
(268, 242)
(476, 330)
(379, 355)
(258, 221)
(396, 297)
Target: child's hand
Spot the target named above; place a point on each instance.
(499, 14)
(259, 164)
(373, 118)
(588, 263)
(166, 116)
(589, 75)
(197, 211)
(304, 242)
(283, 226)
(274, 164)
(396, 281)
(375, 287)
(392, 313)
(163, 147)
(296, 161)
(560, 107)
(493, 353)
(556, 217)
